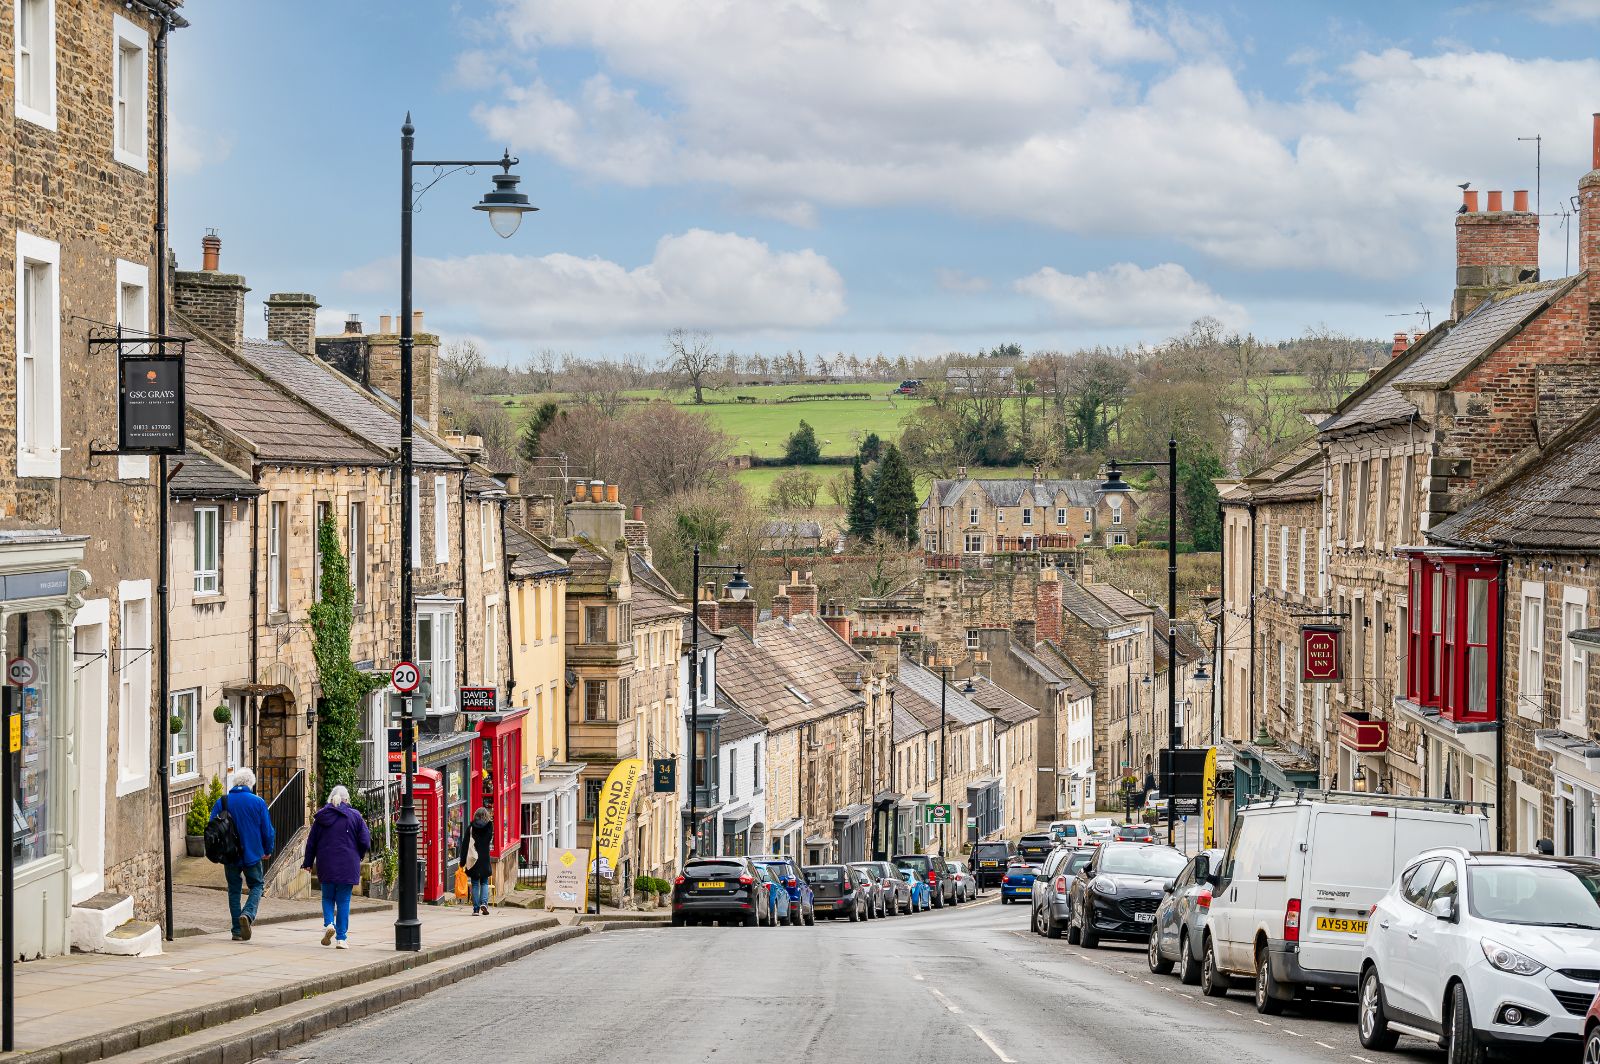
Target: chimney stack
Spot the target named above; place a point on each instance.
(1495, 249)
(213, 301)
(834, 617)
(595, 514)
(1589, 216)
(782, 607)
(801, 594)
(352, 325)
(1047, 607)
(706, 610)
(1401, 343)
(292, 318)
(741, 614)
(383, 365)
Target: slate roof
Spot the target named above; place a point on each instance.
(276, 425)
(786, 529)
(1297, 475)
(1078, 685)
(904, 724)
(1009, 492)
(1087, 608)
(1118, 600)
(479, 484)
(768, 675)
(203, 476)
(737, 724)
(1550, 503)
(527, 557)
(1031, 662)
(1006, 706)
(1441, 357)
(923, 696)
(341, 399)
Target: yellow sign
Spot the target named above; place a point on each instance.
(616, 800)
(566, 886)
(14, 740)
(1208, 799)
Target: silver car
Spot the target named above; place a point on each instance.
(1050, 912)
(966, 882)
(1178, 935)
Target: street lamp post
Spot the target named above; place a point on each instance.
(505, 207)
(1114, 482)
(738, 588)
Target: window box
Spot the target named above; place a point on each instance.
(1453, 646)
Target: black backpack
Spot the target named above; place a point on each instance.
(222, 838)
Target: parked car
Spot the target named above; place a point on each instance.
(801, 899)
(1117, 893)
(1100, 838)
(721, 889)
(776, 910)
(840, 891)
(880, 901)
(1180, 925)
(966, 882)
(909, 387)
(989, 859)
(1099, 824)
(1036, 847)
(1289, 905)
(921, 893)
(1135, 833)
(896, 891)
(1017, 885)
(1050, 889)
(1477, 950)
(1069, 832)
(935, 872)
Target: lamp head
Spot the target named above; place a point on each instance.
(504, 205)
(1114, 481)
(738, 587)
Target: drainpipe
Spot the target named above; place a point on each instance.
(163, 692)
(505, 610)
(1500, 732)
(1251, 599)
(466, 603)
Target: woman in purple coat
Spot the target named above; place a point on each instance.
(339, 840)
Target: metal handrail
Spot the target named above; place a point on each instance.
(287, 811)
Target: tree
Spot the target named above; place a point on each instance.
(460, 361)
(794, 489)
(871, 448)
(1197, 498)
(529, 442)
(859, 517)
(802, 448)
(894, 496)
(652, 450)
(344, 688)
(691, 357)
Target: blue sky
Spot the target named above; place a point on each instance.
(874, 176)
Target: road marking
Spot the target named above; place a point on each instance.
(1263, 1023)
(943, 1000)
(1324, 1045)
(1363, 1060)
(1213, 1004)
(1148, 983)
(917, 976)
(1297, 1034)
(1234, 1012)
(996, 1049)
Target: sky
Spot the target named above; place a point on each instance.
(876, 176)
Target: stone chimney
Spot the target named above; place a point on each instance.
(741, 614)
(1047, 607)
(595, 514)
(834, 616)
(706, 610)
(637, 533)
(801, 594)
(1495, 249)
(782, 607)
(1402, 343)
(381, 369)
(1025, 631)
(212, 300)
(292, 318)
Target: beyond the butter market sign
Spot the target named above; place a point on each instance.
(150, 405)
(1321, 660)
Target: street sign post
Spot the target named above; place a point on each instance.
(939, 814)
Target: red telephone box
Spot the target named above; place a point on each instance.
(497, 782)
(429, 849)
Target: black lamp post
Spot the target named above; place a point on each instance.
(505, 207)
(737, 589)
(1114, 482)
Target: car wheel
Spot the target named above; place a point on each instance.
(751, 919)
(855, 913)
(1088, 937)
(1591, 1047)
(1268, 1001)
(1212, 982)
(1073, 934)
(811, 919)
(1051, 928)
(1371, 1023)
(1464, 1046)
(1188, 967)
(1004, 900)
(1159, 965)
(677, 919)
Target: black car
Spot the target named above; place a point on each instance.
(721, 889)
(989, 860)
(931, 869)
(1117, 893)
(840, 890)
(1035, 848)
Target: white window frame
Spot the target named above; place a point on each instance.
(133, 275)
(134, 659)
(191, 760)
(39, 456)
(277, 587)
(1402, 530)
(356, 549)
(320, 509)
(1088, 516)
(441, 520)
(933, 761)
(1116, 515)
(440, 666)
(968, 540)
(1000, 515)
(1300, 566)
(130, 105)
(1118, 539)
(207, 530)
(973, 641)
(45, 82)
(1027, 515)
(1380, 535)
(1530, 652)
(486, 534)
(1574, 660)
(1061, 515)
(972, 516)
(416, 522)
(491, 640)
(1283, 557)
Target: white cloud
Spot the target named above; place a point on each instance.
(191, 148)
(1125, 295)
(1082, 115)
(697, 279)
(1563, 12)
(959, 281)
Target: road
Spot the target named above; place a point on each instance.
(952, 987)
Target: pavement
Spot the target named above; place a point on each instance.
(953, 986)
(203, 910)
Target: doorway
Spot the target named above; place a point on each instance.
(91, 693)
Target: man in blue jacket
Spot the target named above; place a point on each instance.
(256, 843)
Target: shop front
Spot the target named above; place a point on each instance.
(784, 838)
(885, 825)
(448, 763)
(36, 618)
(735, 831)
(850, 832)
(497, 787)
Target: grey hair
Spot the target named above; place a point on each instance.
(339, 796)
(481, 816)
(242, 777)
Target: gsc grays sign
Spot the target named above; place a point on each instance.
(150, 405)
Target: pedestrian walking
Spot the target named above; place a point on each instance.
(253, 827)
(339, 840)
(476, 840)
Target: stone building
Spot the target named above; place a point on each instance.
(963, 770)
(1113, 652)
(1053, 689)
(1016, 753)
(81, 207)
(658, 616)
(1077, 783)
(978, 516)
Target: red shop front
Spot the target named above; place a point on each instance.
(497, 786)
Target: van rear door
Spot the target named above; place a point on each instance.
(1349, 864)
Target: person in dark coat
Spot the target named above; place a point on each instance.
(476, 841)
(339, 840)
(253, 823)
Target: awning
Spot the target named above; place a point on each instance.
(1555, 741)
(850, 814)
(819, 840)
(569, 769)
(786, 827)
(256, 690)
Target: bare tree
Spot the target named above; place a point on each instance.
(1332, 363)
(691, 357)
(599, 385)
(460, 361)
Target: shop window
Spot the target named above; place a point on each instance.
(207, 578)
(1454, 637)
(36, 62)
(185, 758)
(130, 94)
(37, 822)
(436, 656)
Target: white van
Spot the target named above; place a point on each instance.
(1302, 872)
(1069, 832)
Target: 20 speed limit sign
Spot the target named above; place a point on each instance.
(405, 677)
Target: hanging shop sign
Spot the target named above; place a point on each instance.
(150, 405)
(1366, 736)
(1321, 653)
(664, 771)
(479, 699)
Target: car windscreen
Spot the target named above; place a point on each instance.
(1547, 895)
(824, 875)
(713, 869)
(989, 850)
(868, 871)
(1155, 861)
(915, 864)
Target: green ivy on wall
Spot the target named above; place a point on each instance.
(344, 688)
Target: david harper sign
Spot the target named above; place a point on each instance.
(1321, 660)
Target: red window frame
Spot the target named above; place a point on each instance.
(1442, 643)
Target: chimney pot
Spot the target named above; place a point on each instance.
(638, 511)
(1519, 200)
(611, 493)
(580, 492)
(416, 321)
(1496, 200)
(210, 250)
(1401, 343)
(385, 324)
(1469, 200)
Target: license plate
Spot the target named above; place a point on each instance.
(1144, 918)
(714, 884)
(1023, 890)
(1341, 926)
(988, 864)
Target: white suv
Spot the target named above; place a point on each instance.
(1472, 950)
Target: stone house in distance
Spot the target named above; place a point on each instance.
(980, 516)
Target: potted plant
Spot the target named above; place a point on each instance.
(1152, 816)
(194, 825)
(663, 891)
(644, 890)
